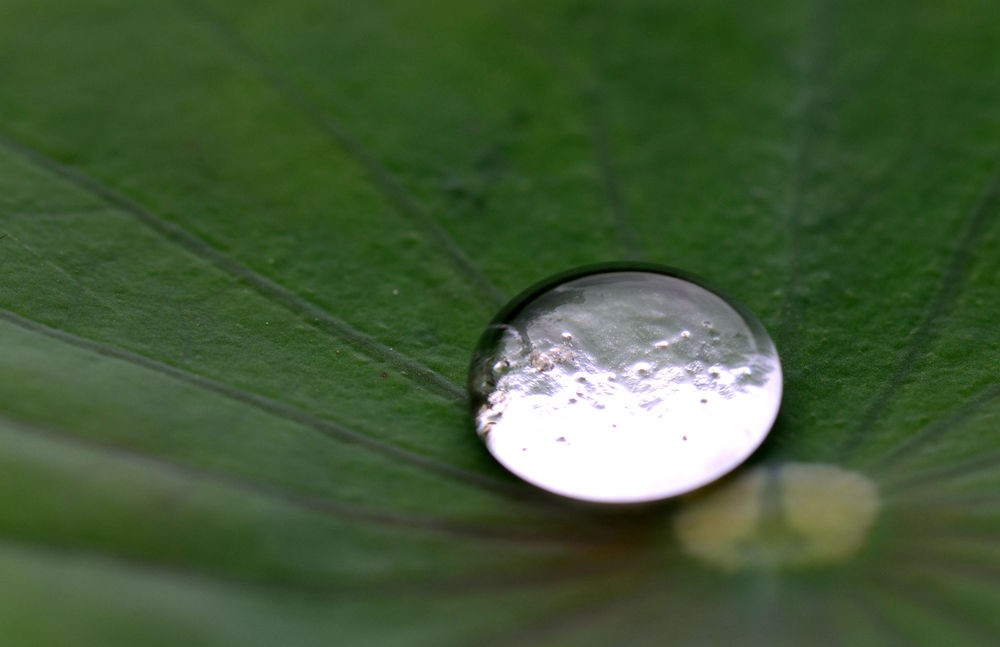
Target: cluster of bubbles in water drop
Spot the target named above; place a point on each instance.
(652, 379)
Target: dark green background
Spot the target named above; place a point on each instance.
(246, 249)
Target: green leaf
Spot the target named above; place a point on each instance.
(247, 249)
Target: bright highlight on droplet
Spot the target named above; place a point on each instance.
(795, 514)
(624, 386)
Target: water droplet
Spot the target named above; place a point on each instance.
(627, 432)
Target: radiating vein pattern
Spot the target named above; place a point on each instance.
(617, 211)
(246, 249)
(258, 401)
(381, 177)
(308, 311)
(983, 214)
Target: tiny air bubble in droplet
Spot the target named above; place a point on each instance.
(526, 382)
(642, 368)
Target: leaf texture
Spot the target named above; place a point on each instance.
(248, 247)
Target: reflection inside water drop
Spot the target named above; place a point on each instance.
(624, 386)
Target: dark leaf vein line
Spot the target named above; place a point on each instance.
(919, 485)
(617, 209)
(955, 570)
(965, 627)
(592, 97)
(266, 404)
(148, 567)
(970, 504)
(868, 607)
(973, 557)
(558, 625)
(814, 75)
(979, 218)
(139, 566)
(300, 500)
(954, 420)
(397, 195)
(872, 186)
(314, 315)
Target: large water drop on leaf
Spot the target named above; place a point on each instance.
(624, 386)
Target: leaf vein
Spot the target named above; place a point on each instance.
(954, 419)
(324, 506)
(386, 183)
(616, 207)
(316, 316)
(949, 286)
(813, 76)
(266, 404)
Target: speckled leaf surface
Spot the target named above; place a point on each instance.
(246, 249)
